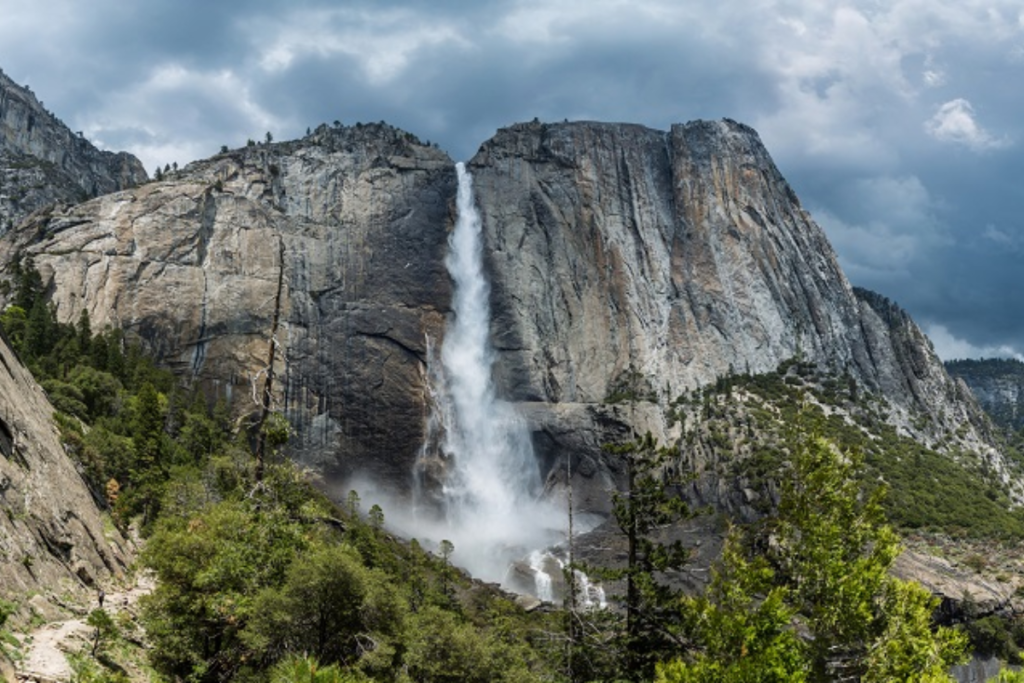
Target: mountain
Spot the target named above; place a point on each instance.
(626, 267)
(998, 383)
(43, 162)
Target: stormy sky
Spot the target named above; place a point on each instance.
(898, 122)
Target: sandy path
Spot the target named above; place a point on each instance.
(45, 660)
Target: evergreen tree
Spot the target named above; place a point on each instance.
(84, 332)
(40, 330)
(28, 284)
(740, 630)
(14, 320)
(648, 505)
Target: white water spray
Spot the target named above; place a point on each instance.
(591, 595)
(491, 492)
(495, 468)
(541, 579)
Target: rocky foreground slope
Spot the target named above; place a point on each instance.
(52, 536)
(624, 263)
(43, 162)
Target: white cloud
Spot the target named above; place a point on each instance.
(897, 225)
(853, 78)
(955, 122)
(167, 117)
(950, 347)
(541, 22)
(933, 78)
(383, 43)
(1002, 239)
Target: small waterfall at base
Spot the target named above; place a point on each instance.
(541, 579)
(480, 453)
(591, 594)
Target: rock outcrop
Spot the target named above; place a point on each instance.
(52, 536)
(43, 162)
(623, 261)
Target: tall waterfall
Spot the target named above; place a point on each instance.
(493, 512)
(494, 467)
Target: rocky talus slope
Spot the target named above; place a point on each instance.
(52, 536)
(43, 162)
(625, 263)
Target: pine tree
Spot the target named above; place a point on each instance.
(648, 505)
(740, 630)
(84, 332)
(28, 284)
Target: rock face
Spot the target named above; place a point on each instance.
(623, 261)
(42, 162)
(684, 255)
(665, 260)
(998, 384)
(52, 535)
(341, 235)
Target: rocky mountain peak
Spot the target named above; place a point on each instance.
(43, 162)
(341, 235)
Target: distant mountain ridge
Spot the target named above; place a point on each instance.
(998, 383)
(43, 162)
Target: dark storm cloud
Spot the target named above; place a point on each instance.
(893, 121)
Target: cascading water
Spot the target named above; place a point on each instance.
(541, 579)
(493, 512)
(489, 445)
(591, 595)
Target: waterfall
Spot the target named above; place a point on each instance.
(591, 595)
(494, 467)
(542, 580)
(491, 487)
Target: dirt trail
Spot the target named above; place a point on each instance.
(45, 659)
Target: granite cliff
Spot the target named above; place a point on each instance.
(52, 536)
(664, 260)
(43, 162)
(341, 236)
(623, 261)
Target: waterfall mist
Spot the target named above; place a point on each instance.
(490, 498)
